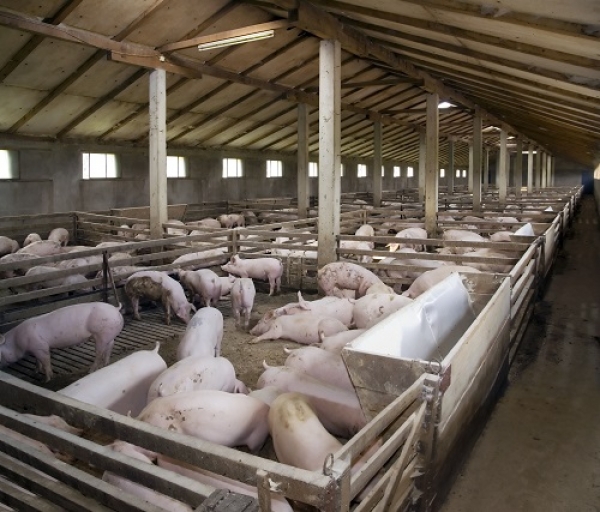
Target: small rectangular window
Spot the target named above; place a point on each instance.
(313, 169)
(442, 173)
(458, 173)
(341, 169)
(232, 168)
(464, 173)
(382, 171)
(176, 167)
(397, 171)
(274, 169)
(8, 167)
(361, 171)
(99, 166)
(410, 172)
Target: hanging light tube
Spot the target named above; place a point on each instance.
(230, 41)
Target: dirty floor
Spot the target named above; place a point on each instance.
(540, 450)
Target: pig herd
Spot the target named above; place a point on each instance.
(305, 406)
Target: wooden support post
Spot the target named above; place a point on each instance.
(476, 148)
(422, 157)
(470, 170)
(329, 149)
(538, 169)
(431, 165)
(377, 163)
(502, 168)
(158, 152)
(530, 169)
(303, 181)
(486, 170)
(519, 168)
(544, 183)
(549, 171)
(451, 167)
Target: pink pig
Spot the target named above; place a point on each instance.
(242, 300)
(62, 328)
(264, 269)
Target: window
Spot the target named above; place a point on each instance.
(313, 169)
(382, 170)
(232, 168)
(464, 173)
(410, 172)
(442, 173)
(341, 169)
(176, 167)
(274, 169)
(397, 172)
(361, 171)
(99, 166)
(8, 170)
(458, 173)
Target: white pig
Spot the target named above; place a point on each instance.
(158, 286)
(302, 328)
(41, 248)
(8, 245)
(460, 235)
(432, 277)
(203, 282)
(337, 276)
(226, 284)
(203, 335)
(373, 308)
(336, 342)
(30, 238)
(409, 233)
(194, 373)
(269, 269)
(60, 235)
(338, 409)
(62, 328)
(242, 300)
(321, 365)
(228, 419)
(121, 386)
(201, 259)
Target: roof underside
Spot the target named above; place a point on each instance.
(532, 67)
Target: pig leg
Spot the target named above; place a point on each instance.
(103, 351)
(236, 315)
(166, 302)
(247, 313)
(135, 303)
(42, 354)
(274, 333)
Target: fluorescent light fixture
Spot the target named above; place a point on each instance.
(445, 104)
(230, 41)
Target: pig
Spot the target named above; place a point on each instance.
(432, 277)
(302, 328)
(122, 386)
(40, 270)
(194, 373)
(269, 269)
(339, 275)
(207, 222)
(62, 328)
(55, 421)
(487, 267)
(460, 235)
(336, 342)
(374, 307)
(409, 233)
(278, 502)
(60, 235)
(409, 262)
(176, 231)
(380, 288)
(321, 365)
(8, 245)
(232, 220)
(12, 258)
(30, 238)
(41, 248)
(501, 236)
(138, 490)
(201, 259)
(242, 300)
(203, 335)
(226, 284)
(338, 409)
(203, 282)
(366, 230)
(105, 245)
(158, 286)
(299, 438)
(357, 245)
(249, 217)
(228, 419)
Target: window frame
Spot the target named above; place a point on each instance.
(442, 173)
(361, 171)
(180, 160)
(238, 171)
(274, 173)
(11, 165)
(410, 172)
(396, 171)
(87, 174)
(313, 170)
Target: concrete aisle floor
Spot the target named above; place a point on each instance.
(540, 450)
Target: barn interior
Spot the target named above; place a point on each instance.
(165, 112)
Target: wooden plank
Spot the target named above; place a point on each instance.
(21, 500)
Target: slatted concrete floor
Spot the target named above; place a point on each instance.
(73, 361)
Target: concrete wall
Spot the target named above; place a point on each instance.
(50, 179)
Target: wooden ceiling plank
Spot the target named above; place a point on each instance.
(35, 40)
